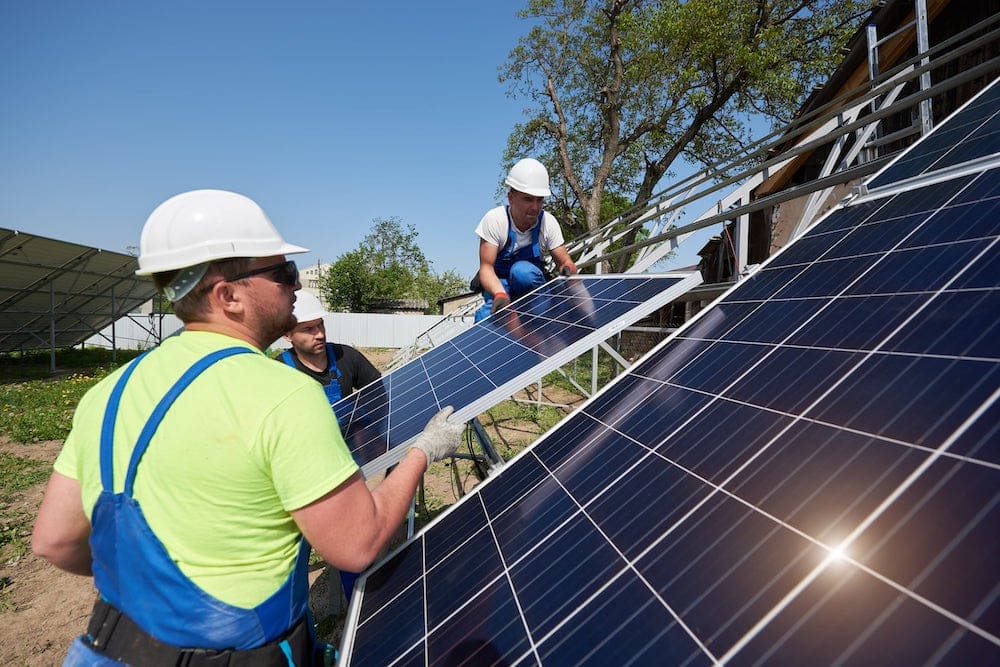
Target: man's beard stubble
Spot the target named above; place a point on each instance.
(275, 321)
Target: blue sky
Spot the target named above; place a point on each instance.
(327, 114)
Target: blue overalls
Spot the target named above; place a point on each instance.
(136, 575)
(332, 390)
(519, 272)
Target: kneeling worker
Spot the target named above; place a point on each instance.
(195, 477)
(512, 238)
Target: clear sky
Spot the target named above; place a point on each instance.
(328, 114)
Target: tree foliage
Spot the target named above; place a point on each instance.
(621, 90)
(387, 265)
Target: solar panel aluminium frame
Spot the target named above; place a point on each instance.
(685, 282)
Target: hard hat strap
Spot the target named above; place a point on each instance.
(184, 282)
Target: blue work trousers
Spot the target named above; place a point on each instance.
(524, 277)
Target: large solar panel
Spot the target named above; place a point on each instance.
(808, 473)
(497, 357)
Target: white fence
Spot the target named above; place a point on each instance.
(355, 329)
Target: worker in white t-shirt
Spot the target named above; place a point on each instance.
(512, 238)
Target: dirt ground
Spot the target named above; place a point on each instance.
(45, 608)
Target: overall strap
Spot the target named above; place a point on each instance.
(108, 425)
(511, 232)
(331, 362)
(536, 250)
(286, 356)
(161, 408)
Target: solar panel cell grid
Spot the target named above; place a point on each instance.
(973, 133)
(807, 474)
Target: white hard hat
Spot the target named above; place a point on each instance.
(307, 307)
(201, 226)
(529, 176)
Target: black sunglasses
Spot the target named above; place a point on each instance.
(286, 273)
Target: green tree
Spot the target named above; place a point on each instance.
(432, 287)
(387, 264)
(621, 90)
(348, 285)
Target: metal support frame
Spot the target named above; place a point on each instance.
(924, 109)
(490, 453)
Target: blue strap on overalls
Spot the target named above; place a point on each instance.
(332, 390)
(529, 253)
(135, 573)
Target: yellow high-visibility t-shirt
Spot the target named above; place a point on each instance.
(247, 442)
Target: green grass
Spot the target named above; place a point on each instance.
(36, 405)
(545, 416)
(36, 410)
(37, 365)
(542, 417)
(16, 474)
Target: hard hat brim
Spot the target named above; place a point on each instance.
(187, 257)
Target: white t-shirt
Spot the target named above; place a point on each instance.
(493, 229)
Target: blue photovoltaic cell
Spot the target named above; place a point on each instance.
(498, 356)
(808, 473)
(972, 133)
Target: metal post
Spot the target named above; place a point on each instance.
(593, 352)
(871, 32)
(741, 241)
(52, 327)
(923, 45)
(114, 318)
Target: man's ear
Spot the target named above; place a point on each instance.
(227, 297)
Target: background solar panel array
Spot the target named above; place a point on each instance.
(497, 357)
(808, 474)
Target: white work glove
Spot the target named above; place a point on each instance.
(440, 437)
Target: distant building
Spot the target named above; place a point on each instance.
(399, 306)
(450, 304)
(310, 277)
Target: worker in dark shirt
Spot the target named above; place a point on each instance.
(325, 362)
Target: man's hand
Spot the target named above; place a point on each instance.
(440, 438)
(500, 300)
(568, 269)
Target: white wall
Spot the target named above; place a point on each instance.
(355, 329)
(376, 329)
